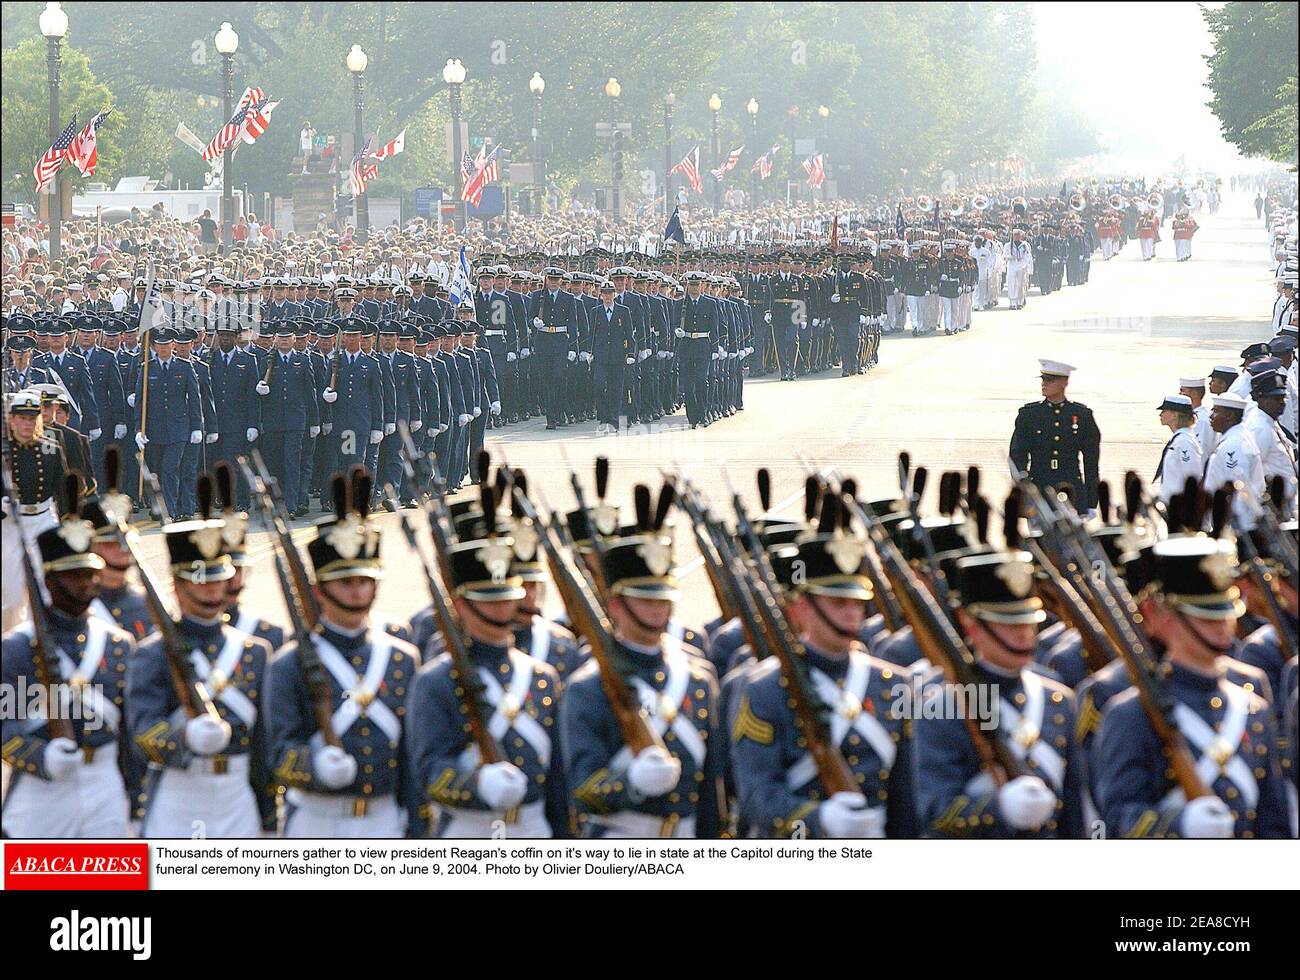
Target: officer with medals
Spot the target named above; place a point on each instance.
(68, 782)
(776, 777)
(205, 769)
(355, 784)
(669, 791)
(522, 795)
(1229, 730)
(1056, 440)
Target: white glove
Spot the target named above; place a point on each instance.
(465, 420)
(334, 768)
(862, 321)
(390, 428)
(206, 736)
(196, 437)
(573, 355)
(130, 400)
(510, 355)
(327, 428)
(263, 388)
(524, 352)
(538, 322)
(1026, 802)
(477, 411)
(250, 434)
(645, 354)
(376, 437)
(60, 758)
(141, 440)
(714, 356)
(586, 356)
(835, 297)
(313, 431)
(1206, 816)
(495, 408)
(845, 815)
(329, 396)
(210, 438)
(721, 349)
(653, 772)
(631, 360)
(815, 321)
(119, 431)
(443, 428)
(663, 354)
(417, 425)
(767, 317)
(501, 785)
(94, 434)
(679, 332)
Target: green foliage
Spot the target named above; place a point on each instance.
(1253, 76)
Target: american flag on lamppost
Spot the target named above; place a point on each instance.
(815, 170)
(690, 168)
(48, 166)
(729, 164)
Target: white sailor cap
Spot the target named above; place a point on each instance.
(1225, 371)
(1056, 368)
(1227, 400)
(1176, 403)
(1191, 382)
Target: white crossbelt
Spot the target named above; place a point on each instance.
(664, 708)
(847, 715)
(1218, 747)
(1026, 728)
(540, 648)
(360, 695)
(224, 669)
(100, 611)
(77, 677)
(247, 622)
(508, 706)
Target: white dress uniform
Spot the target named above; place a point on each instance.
(1236, 458)
(985, 262)
(1020, 260)
(1205, 434)
(1276, 454)
(1182, 458)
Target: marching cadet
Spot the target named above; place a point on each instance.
(402, 369)
(193, 455)
(1019, 260)
(119, 601)
(494, 314)
(699, 332)
(290, 414)
(106, 383)
(999, 616)
(37, 467)
(20, 372)
(1235, 459)
(207, 772)
(234, 378)
(487, 401)
(355, 783)
(521, 795)
(243, 619)
(789, 297)
(1277, 449)
(613, 344)
(171, 417)
(1228, 729)
(75, 376)
(356, 403)
(67, 780)
(776, 777)
(1194, 389)
(554, 340)
(846, 296)
(1182, 456)
(669, 791)
(1056, 440)
(545, 641)
(55, 410)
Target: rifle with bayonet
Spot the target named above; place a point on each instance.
(1266, 584)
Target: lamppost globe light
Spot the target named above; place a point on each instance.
(671, 98)
(537, 84)
(453, 72)
(227, 40)
(752, 107)
(823, 111)
(715, 103)
(357, 60)
(53, 21)
(613, 89)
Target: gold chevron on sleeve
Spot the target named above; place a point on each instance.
(749, 725)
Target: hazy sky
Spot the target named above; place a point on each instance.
(1137, 69)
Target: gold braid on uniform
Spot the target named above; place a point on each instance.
(1089, 718)
(293, 771)
(594, 793)
(451, 788)
(749, 725)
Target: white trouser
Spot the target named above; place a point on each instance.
(1148, 247)
(629, 824)
(13, 586)
(914, 304)
(91, 802)
(197, 802)
(331, 817)
(987, 295)
(1107, 247)
(895, 311)
(1017, 283)
(530, 821)
(951, 313)
(933, 310)
(1183, 248)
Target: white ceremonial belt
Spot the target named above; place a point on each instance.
(219, 765)
(696, 336)
(31, 510)
(553, 329)
(494, 333)
(331, 805)
(525, 820)
(629, 823)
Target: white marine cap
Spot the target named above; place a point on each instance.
(1227, 400)
(1058, 368)
(1191, 382)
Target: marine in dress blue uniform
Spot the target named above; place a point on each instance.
(290, 412)
(1057, 441)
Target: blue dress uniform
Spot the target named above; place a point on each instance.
(790, 297)
(82, 794)
(106, 382)
(289, 412)
(613, 340)
(194, 455)
(407, 407)
(73, 372)
(234, 377)
(845, 303)
(359, 410)
(698, 331)
(518, 703)
(320, 373)
(494, 314)
(553, 340)
(446, 364)
(435, 404)
(1058, 443)
(677, 688)
(1034, 714)
(489, 394)
(388, 389)
(175, 413)
(227, 792)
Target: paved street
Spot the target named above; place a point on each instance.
(951, 401)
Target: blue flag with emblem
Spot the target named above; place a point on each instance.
(673, 230)
(461, 282)
(900, 226)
